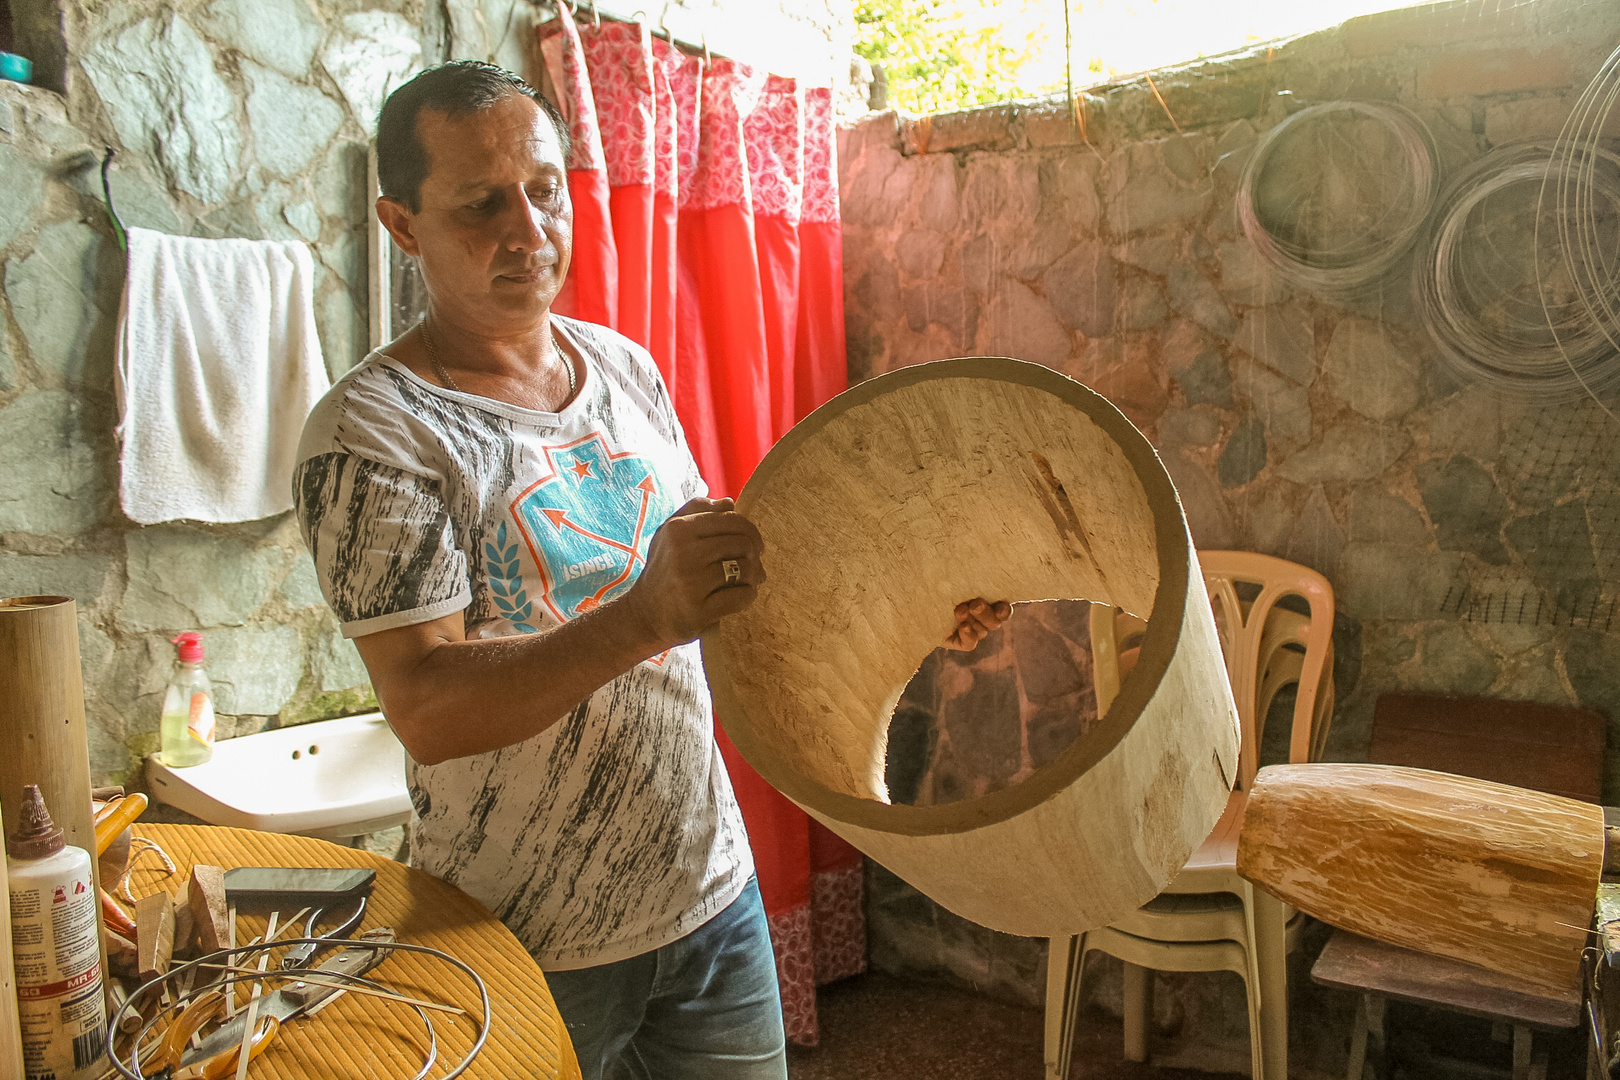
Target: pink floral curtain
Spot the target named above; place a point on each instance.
(706, 228)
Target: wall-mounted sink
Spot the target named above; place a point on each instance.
(333, 779)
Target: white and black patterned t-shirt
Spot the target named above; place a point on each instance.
(614, 831)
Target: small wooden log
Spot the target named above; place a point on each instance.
(1494, 875)
(42, 725)
(154, 928)
(210, 917)
(11, 1056)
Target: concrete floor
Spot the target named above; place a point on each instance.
(877, 1027)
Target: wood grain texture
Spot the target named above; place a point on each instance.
(42, 718)
(205, 897)
(1558, 749)
(154, 940)
(11, 1062)
(1352, 962)
(1486, 873)
(928, 486)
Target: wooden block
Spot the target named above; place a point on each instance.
(121, 954)
(185, 936)
(205, 896)
(154, 934)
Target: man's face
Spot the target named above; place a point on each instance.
(496, 227)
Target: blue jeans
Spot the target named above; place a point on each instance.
(705, 1007)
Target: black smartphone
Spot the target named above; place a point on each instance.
(275, 888)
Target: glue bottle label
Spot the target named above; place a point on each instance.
(59, 996)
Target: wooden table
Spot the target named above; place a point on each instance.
(359, 1038)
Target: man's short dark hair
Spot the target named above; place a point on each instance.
(459, 88)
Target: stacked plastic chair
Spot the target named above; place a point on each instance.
(1209, 918)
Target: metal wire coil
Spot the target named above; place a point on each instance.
(1551, 345)
(1375, 247)
(1578, 179)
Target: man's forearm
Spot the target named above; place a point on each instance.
(463, 697)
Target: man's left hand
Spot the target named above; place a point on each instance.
(974, 620)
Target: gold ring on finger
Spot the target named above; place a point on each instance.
(733, 571)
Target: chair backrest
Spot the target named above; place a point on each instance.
(1266, 647)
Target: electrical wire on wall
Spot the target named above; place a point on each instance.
(1582, 179)
(1517, 287)
(1500, 306)
(1335, 195)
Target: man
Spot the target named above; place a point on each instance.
(506, 519)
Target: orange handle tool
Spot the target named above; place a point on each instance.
(123, 813)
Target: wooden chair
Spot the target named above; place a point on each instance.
(1554, 748)
(1209, 918)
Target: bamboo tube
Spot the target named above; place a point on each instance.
(929, 486)
(1494, 875)
(11, 1062)
(42, 729)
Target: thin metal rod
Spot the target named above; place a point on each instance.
(119, 232)
(343, 982)
(601, 14)
(1068, 66)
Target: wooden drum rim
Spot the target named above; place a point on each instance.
(1175, 560)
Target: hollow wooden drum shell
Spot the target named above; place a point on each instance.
(925, 487)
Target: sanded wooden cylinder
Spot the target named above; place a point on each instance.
(932, 485)
(42, 727)
(1496, 875)
(11, 1060)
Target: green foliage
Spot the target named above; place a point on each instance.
(941, 55)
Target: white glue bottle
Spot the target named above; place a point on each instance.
(53, 940)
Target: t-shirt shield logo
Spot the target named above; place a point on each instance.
(589, 521)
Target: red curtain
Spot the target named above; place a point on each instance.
(706, 228)
(592, 289)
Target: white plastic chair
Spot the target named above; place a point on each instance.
(1209, 918)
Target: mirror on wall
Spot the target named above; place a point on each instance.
(398, 297)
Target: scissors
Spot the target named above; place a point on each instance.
(216, 1056)
(165, 1062)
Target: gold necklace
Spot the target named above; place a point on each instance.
(444, 375)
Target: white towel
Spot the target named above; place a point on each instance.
(218, 365)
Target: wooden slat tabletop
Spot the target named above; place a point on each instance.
(360, 1038)
(1352, 962)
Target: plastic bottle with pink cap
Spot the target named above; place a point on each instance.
(188, 707)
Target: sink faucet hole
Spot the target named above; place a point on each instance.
(314, 750)
(297, 754)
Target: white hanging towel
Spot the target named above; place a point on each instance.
(218, 365)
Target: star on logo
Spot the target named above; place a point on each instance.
(581, 469)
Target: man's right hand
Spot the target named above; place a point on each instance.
(684, 588)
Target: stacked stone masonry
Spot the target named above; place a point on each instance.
(1328, 434)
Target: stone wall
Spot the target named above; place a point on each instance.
(1329, 434)
(244, 118)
